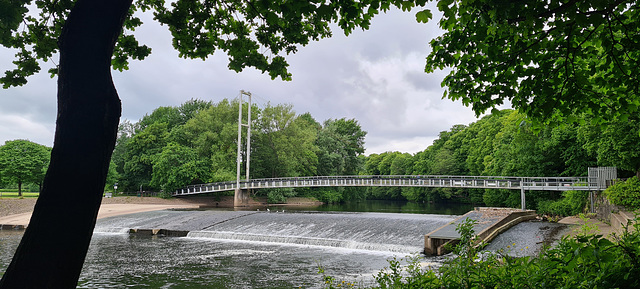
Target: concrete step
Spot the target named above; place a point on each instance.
(620, 220)
(628, 215)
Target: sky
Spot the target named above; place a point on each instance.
(376, 77)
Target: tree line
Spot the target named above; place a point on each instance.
(196, 142)
(505, 143)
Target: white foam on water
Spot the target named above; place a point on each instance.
(303, 241)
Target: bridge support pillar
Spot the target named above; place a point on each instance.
(522, 199)
(241, 198)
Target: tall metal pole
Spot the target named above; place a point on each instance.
(238, 160)
(248, 136)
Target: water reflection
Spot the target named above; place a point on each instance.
(392, 207)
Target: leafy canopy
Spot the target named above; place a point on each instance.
(22, 161)
(255, 33)
(550, 59)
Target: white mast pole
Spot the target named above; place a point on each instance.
(238, 160)
(248, 136)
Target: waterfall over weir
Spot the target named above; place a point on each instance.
(384, 232)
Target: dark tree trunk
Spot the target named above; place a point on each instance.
(19, 189)
(53, 248)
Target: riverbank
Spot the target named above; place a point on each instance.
(17, 212)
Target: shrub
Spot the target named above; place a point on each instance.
(279, 195)
(625, 194)
(572, 203)
(328, 195)
(495, 198)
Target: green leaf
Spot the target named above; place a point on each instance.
(424, 16)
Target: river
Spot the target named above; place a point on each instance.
(279, 248)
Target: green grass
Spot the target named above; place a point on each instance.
(14, 195)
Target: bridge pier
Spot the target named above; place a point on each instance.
(241, 198)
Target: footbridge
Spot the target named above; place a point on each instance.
(471, 182)
(595, 182)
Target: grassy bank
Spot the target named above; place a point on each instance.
(14, 195)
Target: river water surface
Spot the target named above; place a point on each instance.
(252, 249)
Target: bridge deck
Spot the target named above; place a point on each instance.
(476, 182)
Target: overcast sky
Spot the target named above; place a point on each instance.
(375, 76)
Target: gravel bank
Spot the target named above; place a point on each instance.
(16, 206)
(19, 206)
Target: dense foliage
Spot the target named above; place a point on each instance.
(584, 261)
(500, 144)
(572, 203)
(252, 33)
(197, 143)
(23, 162)
(625, 193)
(550, 59)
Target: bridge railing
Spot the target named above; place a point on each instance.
(491, 182)
(559, 183)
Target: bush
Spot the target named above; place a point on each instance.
(165, 195)
(572, 203)
(279, 195)
(328, 195)
(625, 194)
(495, 198)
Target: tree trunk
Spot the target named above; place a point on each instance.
(19, 189)
(53, 248)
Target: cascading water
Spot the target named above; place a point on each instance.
(250, 249)
(111, 230)
(385, 232)
(399, 233)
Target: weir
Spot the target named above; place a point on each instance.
(382, 232)
(379, 232)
